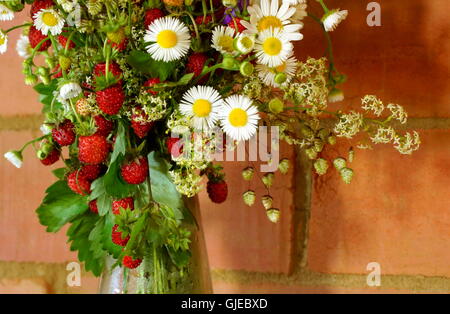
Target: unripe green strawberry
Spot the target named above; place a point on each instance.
(247, 173)
(65, 62)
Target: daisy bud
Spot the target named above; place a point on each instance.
(273, 214)
(43, 71)
(336, 95)
(229, 3)
(3, 42)
(50, 62)
(321, 166)
(247, 173)
(340, 163)
(14, 157)
(45, 79)
(333, 18)
(246, 68)
(280, 78)
(267, 201)
(347, 175)
(249, 198)
(284, 165)
(276, 106)
(229, 63)
(244, 43)
(267, 179)
(31, 79)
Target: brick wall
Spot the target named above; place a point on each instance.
(395, 212)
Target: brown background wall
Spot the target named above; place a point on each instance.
(396, 212)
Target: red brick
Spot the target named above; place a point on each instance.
(404, 61)
(395, 212)
(17, 98)
(24, 286)
(21, 192)
(241, 237)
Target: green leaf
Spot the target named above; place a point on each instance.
(59, 173)
(99, 193)
(78, 234)
(120, 143)
(163, 189)
(144, 63)
(46, 96)
(101, 240)
(179, 258)
(183, 81)
(60, 206)
(114, 185)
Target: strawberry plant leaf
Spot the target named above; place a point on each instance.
(59, 173)
(101, 238)
(78, 235)
(144, 63)
(162, 187)
(120, 143)
(60, 206)
(115, 186)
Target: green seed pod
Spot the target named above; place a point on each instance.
(280, 78)
(230, 63)
(31, 79)
(340, 163)
(249, 198)
(246, 68)
(267, 201)
(332, 140)
(321, 166)
(247, 173)
(268, 179)
(347, 175)
(284, 165)
(276, 106)
(273, 214)
(311, 153)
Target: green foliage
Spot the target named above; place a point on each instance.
(142, 62)
(100, 237)
(46, 96)
(60, 206)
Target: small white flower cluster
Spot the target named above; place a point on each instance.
(68, 5)
(187, 182)
(371, 103)
(384, 135)
(398, 113)
(349, 124)
(408, 143)
(155, 107)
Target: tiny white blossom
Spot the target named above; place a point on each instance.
(15, 158)
(398, 113)
(333, 18)
(70, 90)
(349, 124)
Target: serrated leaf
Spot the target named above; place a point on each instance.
(120, 143)
(59, 173)
(100, 237)
(162, 187)
(114, 185)
(60, 206)
(179, 258)
(144, 63)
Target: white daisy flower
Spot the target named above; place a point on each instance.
(273, 46)
(223, 40)
(245, 43)
(6, 14)
(70, 90)
(300, 13)
(3, 42)
(48, 20)
(269, 14)
(267, 75)
(332, 19)
(23, 47)
(168, 39)
(15, 158)
(201, 104)
(239, 117)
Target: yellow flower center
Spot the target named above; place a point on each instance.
(272, 46)
(49, 19)
(202, 108)
(269, 21)
(238, 117)
(226, 42)
(2, 39)
(246, 42)
(167, 39)
(281, 67)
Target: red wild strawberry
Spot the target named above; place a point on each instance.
(125, 203)
(93, 206)
(78, 183)
(51, 158)
(203, 19)
(35, 36)
(151, 15)
(114, 69)
(217, 191)
(195, 63)
(92, 149)
(104, 126)
(38, 5)
(111, 99)
(121, 46)
(237, 22)
(63, 41)
(139, 124)
(150, 82)
(131, 263)
(116, 237)
(136, 171)
(174, 146)
(58, 72)
(91, 172)
(64, 134)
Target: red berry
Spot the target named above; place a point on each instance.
(38, 5)
(104, 126)
(136, 171)
(64, 134)
(111, 99)
(51, 158)
(92, 149)
(203, 19)
(121, 46)
(78, 183)
(151, 15)
(93, 206)
(63, 41)
(139, 124)
(174, 146)
(131, 263)
(125, 203)
(91, 172)
(114, 69)
(116, 237)
(195, 64)
(217, 191)
(240, 27)
(150, 82)
(35, 36)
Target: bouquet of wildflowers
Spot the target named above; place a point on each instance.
(140, 97)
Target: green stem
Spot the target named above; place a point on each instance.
(32, 142)
(324, 7)
(17, 26)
